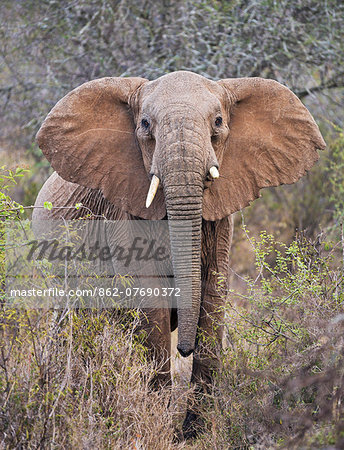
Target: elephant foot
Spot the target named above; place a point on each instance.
(178, 436)
(193, 425)
(160, 383)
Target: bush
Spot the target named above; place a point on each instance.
(282, 378)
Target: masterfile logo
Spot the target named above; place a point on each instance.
(93, 263)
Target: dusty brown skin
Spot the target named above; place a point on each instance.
(108, 137)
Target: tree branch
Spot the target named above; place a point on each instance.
(331, 84)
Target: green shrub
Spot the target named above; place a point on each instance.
(282, 378)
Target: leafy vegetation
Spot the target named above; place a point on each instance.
(282, 378)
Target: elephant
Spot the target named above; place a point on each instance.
(179, 148)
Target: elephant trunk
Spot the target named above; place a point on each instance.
(183, 189)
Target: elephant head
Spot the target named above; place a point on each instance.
(210, 146)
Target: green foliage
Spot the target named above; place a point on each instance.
(48, 206)
(282, 378)
(9, 209)
(286, 275)
(336, 174)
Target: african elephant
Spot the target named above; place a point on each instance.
(180, 147)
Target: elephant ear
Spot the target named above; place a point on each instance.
(89, 139)
(273, 140)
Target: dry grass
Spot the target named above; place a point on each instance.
(79, 381)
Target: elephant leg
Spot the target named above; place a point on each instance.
(173, 319)
(207, 354)
(206, 360)
(155, 330)
(216, 242)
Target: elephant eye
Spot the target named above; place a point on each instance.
(145, 124)
(218, 121)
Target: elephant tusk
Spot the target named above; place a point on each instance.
(152, 190)
(214, 172)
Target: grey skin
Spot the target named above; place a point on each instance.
(254, 131)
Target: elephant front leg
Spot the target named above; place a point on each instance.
(216, 242)
(206, 360)
(155, 332)
(207, 355)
